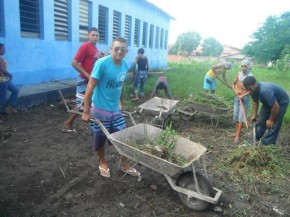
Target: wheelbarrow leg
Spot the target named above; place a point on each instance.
(195, 179)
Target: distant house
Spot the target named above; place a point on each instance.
(232, 54)
(42, 36)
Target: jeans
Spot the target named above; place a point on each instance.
(238, 114)
(140, 77)
(272, 134)
(3, 92)
(163, 86)
(4, 88)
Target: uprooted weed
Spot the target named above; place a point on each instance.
(257, 164)
(163, 146)
(260, 161)
(213, 101)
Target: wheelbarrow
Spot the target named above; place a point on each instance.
(189, 111)
(193, 188)
(160, 109)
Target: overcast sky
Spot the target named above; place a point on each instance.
(230, 22)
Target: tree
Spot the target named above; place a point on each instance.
(186, 43)
(270, 40)
(211, 47)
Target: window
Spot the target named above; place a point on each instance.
(137, 33)
(1, 18)
(84, 20)
(161, 38)
(128, 26)
(166, 39)
(61, 19)
(29, 18)
(151, 36)
(144, 35)
(102, 26)
(116, 24)
(156, 37)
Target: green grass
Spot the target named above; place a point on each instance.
(186, 78)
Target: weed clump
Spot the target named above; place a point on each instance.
(211, 100)
(258, 161)
(163, 146)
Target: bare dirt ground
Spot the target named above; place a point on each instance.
(45, 172)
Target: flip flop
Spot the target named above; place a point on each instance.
(105, 173)
(68, 130)
(131, 171)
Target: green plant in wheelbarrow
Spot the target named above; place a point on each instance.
(162, 147)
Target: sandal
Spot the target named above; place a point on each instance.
(68, 130)
(105, 173)
(131, 171)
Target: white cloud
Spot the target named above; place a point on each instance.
(231, 22)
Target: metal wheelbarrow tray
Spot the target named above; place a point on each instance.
(208, 109)
(161, 109)
(142, 134)
(192, 188)
(188, 112)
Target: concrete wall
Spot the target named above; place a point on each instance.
(44, 59)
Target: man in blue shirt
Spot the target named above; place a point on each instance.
(275, 101)
(105, 91)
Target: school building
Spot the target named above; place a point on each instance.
(42, 36)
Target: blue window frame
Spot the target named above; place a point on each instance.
(137, 33)
(116, 24)
(29, 18)
(144, 35)
(151, 36)
(157, 37)
(103, 24)
(84, 21)
(61, 24)
(128, 27)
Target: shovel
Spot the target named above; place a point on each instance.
(254, 132)
(244, 114)
(224, 82)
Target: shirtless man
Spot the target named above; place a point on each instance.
(241, 96)
(209, 83)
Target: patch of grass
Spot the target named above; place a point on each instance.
(186, 79)
(258, 163)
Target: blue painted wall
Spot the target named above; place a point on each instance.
(44, 59)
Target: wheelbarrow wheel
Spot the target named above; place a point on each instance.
(158, 122)
(186, 180)
(168, 122)
(187, 117)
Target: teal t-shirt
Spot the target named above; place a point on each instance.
(110, 78)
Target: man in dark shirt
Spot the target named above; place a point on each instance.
(275, 101)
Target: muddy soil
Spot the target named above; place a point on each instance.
(45, 172)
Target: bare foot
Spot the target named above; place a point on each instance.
(237, 140)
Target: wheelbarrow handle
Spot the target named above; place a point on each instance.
(103, 128)
(97, 121)
(130, 115)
